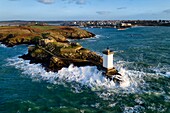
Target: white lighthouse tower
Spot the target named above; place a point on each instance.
(108, 59)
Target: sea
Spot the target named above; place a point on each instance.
(141, 55)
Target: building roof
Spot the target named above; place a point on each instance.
(108, 52)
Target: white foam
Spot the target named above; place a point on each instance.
(98, 36)
(135, 109)
(168, 74)
(2, 45)
(165, 74)
(92, 40)
(95, 37)
(133, 78)
(162, 71)
(86, 76)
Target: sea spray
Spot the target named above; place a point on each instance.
(89, 76)
(86, 76)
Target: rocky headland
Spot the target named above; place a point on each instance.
(49, 46)
(15, 35)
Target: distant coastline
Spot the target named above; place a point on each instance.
(91, 23)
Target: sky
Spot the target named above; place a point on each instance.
(56, 10)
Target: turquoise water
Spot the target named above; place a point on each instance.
(142, 56)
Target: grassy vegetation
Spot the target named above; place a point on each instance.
(13, 35)
(49, 42)
(43, 27)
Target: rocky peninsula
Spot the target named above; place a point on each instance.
(49, 46)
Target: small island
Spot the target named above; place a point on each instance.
(50, 47)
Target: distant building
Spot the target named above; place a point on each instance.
(126, 24)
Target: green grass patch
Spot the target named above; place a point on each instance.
(43, 27)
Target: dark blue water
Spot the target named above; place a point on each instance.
(142, 55)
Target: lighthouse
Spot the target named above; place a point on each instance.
(108, 59)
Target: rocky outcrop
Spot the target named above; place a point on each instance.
(16, 35)
(55, 55)
(50, 45)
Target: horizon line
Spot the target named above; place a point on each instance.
(85, 20)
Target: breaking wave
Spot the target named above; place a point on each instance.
(98, 36)
(88, 76)
(163, 71)
(78, 78)
(93, 39)
(2, 45)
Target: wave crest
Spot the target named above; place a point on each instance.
(88, 76)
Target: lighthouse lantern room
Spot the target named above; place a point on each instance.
(108, 59)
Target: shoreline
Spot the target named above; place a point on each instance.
(53, 51)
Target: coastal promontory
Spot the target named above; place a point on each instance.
(15, 35)
(49, 45)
